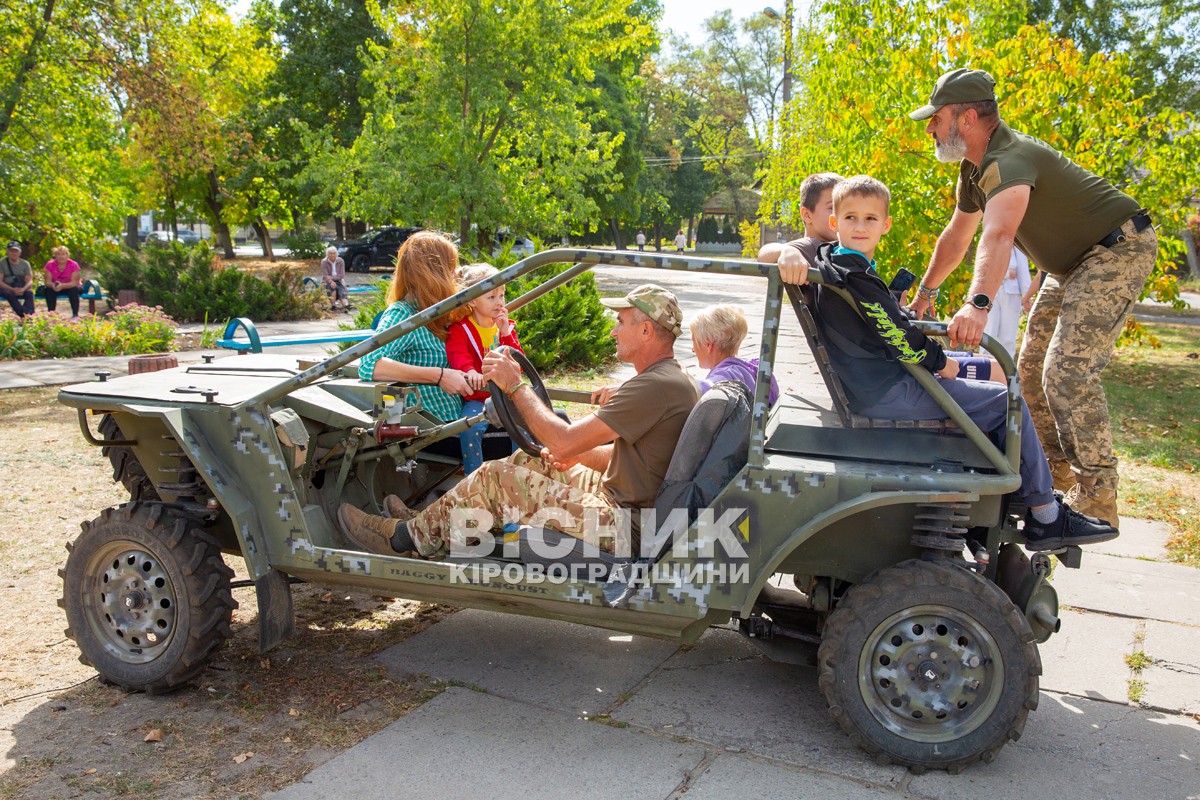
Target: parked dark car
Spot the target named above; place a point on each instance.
(375, 248)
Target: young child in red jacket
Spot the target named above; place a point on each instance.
(484, 329)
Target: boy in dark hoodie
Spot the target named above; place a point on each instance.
(866, 344)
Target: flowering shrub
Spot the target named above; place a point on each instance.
(130, 330)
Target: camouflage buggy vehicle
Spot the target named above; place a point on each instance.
(900, 538)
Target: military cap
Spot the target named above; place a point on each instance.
(958, 86)
(655, 302)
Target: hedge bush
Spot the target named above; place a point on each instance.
(187, 284)
(130, 330)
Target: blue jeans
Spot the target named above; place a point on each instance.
(987, 406)
(472, 438)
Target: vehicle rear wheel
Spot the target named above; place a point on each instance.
(127, 470)
(360, 263)
(147, 597)
(926, 664)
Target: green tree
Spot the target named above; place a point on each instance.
(1158, 36)
(317, 94)
(868, 65)
(483, 115)
(61, 165)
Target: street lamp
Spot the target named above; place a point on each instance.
(786, 19)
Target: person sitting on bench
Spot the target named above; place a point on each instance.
(867, 341)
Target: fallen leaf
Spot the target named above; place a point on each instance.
(240, 758)
(154, 736)
(293, 713)
(265, 663)
(287, 740)
(89, 772)
(327, 597)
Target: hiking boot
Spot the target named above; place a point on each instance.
(394, 508)
(1071, 528)
(1064, 476)
(370, 533)
(1096, 497)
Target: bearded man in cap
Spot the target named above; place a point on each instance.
(600, 470)
(1094, 243)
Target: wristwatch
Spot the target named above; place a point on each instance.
(981, 301)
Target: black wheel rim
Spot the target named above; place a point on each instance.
(130, 603)
(931, 673)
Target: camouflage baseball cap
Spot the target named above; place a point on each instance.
(655, 302)
(958, 86)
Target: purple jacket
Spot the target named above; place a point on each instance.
(735, 369)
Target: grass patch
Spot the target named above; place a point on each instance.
(1136, 690)
(1154, 403)
(1138, 661)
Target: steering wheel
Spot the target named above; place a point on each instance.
(506, 409)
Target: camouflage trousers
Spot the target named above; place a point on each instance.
(1069, 340)
(519, 489)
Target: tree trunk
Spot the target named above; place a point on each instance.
(691, 227)
(1192, 250)
(658, 235)
(339, 229)
(131, 232)
(464, 231)
(264, 238)
(28, 64)
(215, 207)
(618, 240)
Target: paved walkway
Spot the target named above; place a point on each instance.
(549, 709)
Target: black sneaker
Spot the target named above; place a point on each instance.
(1071, 528)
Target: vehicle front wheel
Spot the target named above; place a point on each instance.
(147, 597)
(928, 665)
(360, 264)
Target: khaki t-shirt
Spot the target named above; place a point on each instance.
(1070, 209)
(647, 413)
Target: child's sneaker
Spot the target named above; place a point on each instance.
(1070, 528)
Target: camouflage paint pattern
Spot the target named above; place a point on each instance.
(517, 488)
(1069, 340)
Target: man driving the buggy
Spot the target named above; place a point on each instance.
(592, 472)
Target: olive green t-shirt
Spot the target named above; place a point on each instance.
(1070, 209)
(647, 413)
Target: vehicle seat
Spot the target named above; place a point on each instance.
(803, 299)
(713, 447)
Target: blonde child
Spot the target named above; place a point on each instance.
(485, 328)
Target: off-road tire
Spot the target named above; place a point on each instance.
(127, 470)
(361, 263)
(147, 597)
(900, 657)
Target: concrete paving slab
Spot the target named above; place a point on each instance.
(1140, 538)
(722, 694)
(465, 745)
(1077, 749)
(736, 776)
(572, 668)
(1087, 657)
(11, 380)
(1173, 680)
(1167, 592)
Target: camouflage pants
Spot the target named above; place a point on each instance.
(519, 489)
(1069, 339)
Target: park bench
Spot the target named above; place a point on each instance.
(315, 283)
(254, 342)
(91, 292)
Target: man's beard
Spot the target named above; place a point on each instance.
(954, 148)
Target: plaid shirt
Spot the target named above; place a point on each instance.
(420, 348)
